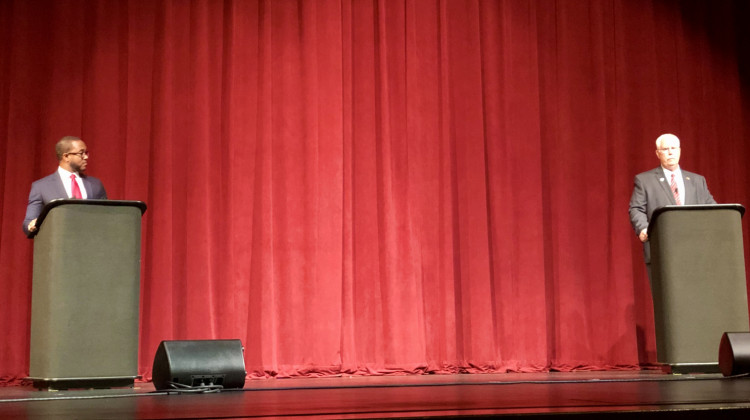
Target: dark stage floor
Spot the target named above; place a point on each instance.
(646, 394)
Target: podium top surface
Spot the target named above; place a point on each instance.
(64, 201)
(692, 207)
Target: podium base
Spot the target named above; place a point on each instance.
(687, 368)
(85, 383)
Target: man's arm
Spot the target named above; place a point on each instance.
(638, 210)
(102, 195)
(33, 209)
(704, 196)
(97, 189)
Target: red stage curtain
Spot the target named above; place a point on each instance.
(368, 187)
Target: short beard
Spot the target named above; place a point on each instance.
(76, 168)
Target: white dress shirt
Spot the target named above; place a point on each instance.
(65, 176)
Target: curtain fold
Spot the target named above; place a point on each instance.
(375, 187)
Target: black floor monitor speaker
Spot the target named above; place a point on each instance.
(199, 362)
(734, 353)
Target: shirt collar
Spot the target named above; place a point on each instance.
(66, 173)
(677, 173)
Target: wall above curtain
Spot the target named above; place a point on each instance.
(373, 187)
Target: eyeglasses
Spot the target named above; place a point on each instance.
(668, 149)
(80, 154)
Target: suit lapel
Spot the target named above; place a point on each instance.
(58, 185)
(86, 186)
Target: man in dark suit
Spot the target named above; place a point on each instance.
(662, 186)
(69, 181)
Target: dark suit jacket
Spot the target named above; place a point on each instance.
(652, 191)
(50, 188)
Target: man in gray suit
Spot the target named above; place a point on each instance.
(662, 186)
(69, 181)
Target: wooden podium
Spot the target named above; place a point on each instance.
(698, 283)
(85, 294)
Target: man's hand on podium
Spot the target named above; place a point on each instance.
(32, 226)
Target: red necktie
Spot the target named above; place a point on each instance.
(675, 193)
(74, 187)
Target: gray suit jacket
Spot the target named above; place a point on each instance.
(652, 191)
(50, 188)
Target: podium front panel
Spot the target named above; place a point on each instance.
(699, 287)
(85, 296)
